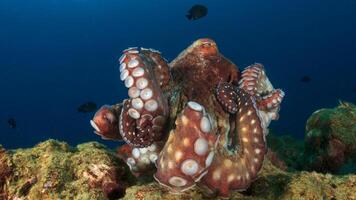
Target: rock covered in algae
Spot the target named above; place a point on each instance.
(331, 139)
(54, 170)
(272, 183)
(5, 172)
(285, 151)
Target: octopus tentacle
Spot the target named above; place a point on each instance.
(133, 134)
(226, 95)
(189, 150)
(255, 82)
(236, 172)
(140, 160)
(105, 122)
(138, 121)
(222, 150)
(161, 71)
(271, 101)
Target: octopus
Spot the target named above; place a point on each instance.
(195, 121)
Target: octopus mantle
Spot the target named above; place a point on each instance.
(197, 119)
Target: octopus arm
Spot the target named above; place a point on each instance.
(255, 82)
(145, 113)
(188, 151)
(237, 171)
(140, 160)
(106, 122)
(226, 95)
(271, 101)
(161, 70)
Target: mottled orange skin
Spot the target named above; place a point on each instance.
(198, 70)
(180, 147)
(236, 131)
(268, 102)
(237, 171)
(106, 118)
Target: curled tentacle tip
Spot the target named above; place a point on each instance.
(105, 122)
(226, 95)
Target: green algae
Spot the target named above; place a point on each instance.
(339, 122)
(56, 170)
(331, 139)
(289, 149)
(329, 145)
(59, 168)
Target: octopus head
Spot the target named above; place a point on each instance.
(200, 51)
(105, 123)
(204, 47)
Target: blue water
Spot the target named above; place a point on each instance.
(58, 54)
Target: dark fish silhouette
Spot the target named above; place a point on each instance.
(87, 107)
(305, 79)
(197, 12)
(11, 122)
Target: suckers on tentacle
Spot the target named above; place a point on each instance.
(219, 142)
(255, 82)
(271, 101)
(188, 151)
(237, 171)
(161, 69)
(140, 160)
(144, 114)
(106, 122)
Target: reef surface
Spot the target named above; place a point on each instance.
(331, 139)
(272, 183)
(55, 170)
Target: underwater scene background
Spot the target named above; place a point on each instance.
(191, 125)
(56, 55)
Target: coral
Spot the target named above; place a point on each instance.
(211, 118)
(5, 172)
(54, 170)
(287, 149)
(275, 160)
(331, 138)
(329, 145)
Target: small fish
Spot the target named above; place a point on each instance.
(87, 107)
(12, 123)
(197, 12)
(305, 79)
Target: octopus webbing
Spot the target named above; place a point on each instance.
(197, 119)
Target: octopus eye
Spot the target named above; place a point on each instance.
(208, 44)
(207, 47)
(109, 117)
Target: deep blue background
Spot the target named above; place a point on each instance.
(58, 54)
